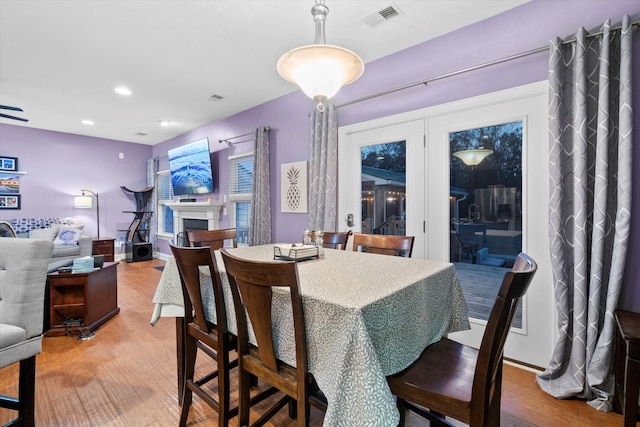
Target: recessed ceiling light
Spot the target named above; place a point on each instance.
(88, 122)
(165, 123)
(123, 91)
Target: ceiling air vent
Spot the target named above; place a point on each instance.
(141, 134)
(215, 97)
(382, 14)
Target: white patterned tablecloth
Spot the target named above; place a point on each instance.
(367, 316)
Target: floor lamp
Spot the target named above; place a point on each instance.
(86, 202)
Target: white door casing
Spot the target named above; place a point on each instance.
(533, 344)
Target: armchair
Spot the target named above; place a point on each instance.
(23, 276)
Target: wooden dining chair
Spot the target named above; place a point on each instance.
(214, 339)
(335, 240)
(454, 380)
(251, 286)
(213, 238)
(383, 244)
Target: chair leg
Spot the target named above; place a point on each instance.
(293, 409)
(190, 350)
(403, 411)
(223, 389)
(244, 403)
(27, 391)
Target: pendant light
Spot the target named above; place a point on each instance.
(320, 70)
(474, 156)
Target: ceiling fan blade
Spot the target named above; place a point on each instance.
(6, 107)
(13, 117)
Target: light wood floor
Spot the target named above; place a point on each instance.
(126, 376)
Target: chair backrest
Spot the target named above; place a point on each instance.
(189, 261)
(251, 286)
(335, 240)
(514, 285)
(23, 278)
(383, 244)
(213, 238)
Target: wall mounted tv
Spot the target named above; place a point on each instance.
(190, 167)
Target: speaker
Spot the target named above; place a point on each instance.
(138, 251)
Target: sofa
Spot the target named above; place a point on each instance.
(68, 240)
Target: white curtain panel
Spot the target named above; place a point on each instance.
(590, 125)
(323, 170)
(260, 218)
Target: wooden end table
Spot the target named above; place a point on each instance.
(627, 367)
(104, 246)
(92, 296)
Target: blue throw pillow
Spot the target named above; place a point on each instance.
(67, 237)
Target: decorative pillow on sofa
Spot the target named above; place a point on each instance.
(67, 237)
(48, 233)
(70, 227)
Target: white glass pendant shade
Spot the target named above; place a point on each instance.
(473, 157)
(83, 202)
(320, 70)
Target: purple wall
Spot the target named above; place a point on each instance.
(59, 164)
(525, 28)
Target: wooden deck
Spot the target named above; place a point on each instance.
(480, 285)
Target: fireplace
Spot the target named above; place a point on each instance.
(206, 213)
(190, 224)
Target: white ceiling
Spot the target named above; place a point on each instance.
(60, 60)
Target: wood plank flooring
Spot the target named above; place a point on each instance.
(126, 376)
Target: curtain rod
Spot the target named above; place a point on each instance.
(466, 70)
(227, 140)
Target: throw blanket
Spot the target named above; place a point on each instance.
(24, 225)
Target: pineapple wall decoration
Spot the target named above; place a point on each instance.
(294, 187)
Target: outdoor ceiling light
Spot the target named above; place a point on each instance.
(320, 70)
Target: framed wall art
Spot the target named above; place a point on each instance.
(8, 164)
(293, 187)
(10, 201)
(9, 183)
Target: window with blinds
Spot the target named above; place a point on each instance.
(165, 194)
(240, 185)
(240, 178)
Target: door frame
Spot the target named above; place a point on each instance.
(533, 344)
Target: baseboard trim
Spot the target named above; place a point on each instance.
(525, 366)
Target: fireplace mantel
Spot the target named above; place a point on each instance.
(207, 210)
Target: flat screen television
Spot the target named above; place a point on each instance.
(190, 167)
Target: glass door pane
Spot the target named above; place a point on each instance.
(485, 210)
(383, 182)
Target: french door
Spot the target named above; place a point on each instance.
(381, 182)
(439, 209)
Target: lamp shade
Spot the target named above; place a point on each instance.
(473, 157)
(83, 202)
(320, 70)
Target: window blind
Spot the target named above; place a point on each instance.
(166, 189)
(240, 178)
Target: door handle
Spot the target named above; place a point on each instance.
(349, 220)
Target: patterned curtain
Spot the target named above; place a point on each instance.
(260, 218)
(323, 174)
(590, 125)
(152, 178)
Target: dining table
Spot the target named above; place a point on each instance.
(366, 316)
